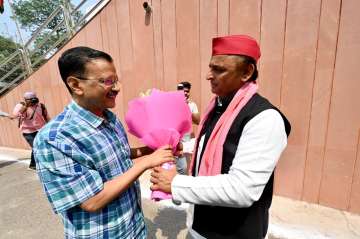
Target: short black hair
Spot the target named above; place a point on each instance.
(73, 61)
(184, 84)
(249, 60)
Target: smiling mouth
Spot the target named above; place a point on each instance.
(112, 94)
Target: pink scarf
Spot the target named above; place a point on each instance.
(212, 158)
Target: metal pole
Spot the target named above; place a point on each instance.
(25, 54)
(67, 17)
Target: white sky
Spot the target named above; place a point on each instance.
(8, 27)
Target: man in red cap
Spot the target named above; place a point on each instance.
(240, 139)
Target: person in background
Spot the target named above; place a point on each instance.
(85, 164)
(32, 116)
(187, 141)
(239, 142)
(186, 87)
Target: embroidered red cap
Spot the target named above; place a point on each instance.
(236, 45)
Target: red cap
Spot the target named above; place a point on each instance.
(236, 45)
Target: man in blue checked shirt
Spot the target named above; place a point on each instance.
(83, 158)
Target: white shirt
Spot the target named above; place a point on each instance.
(262, 141)
(186, 139)
(193, 107)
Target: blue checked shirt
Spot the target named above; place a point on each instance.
(76, 153)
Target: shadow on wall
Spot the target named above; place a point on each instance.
(170, 222)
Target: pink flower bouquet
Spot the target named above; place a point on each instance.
(161, 118)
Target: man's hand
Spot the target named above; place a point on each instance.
(113, 188)
(162, 179)
(23, 108)
(179, 149)
(195, 118)
(158, 157)
(140, 152)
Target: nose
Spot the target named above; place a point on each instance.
(116, 86)
(209, 75)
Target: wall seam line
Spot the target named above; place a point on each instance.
(283, 54)
(330, 101)
(312, 100)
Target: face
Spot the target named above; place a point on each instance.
(98, 88)
(186, 93)
(27, 102)
(225, 74)
(31, 102)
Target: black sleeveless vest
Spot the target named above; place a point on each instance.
(240, 223)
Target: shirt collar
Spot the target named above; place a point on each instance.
(90, 117)
(223, 102)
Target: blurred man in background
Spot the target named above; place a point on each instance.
(187, 141)
(32, 116)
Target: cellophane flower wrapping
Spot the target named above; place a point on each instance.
(162, 118)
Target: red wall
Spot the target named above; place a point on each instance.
(309, 63)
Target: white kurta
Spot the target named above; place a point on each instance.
(187, 137)
(262, 141)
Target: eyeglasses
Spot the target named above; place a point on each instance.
(109, 82)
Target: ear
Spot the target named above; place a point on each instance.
(75, 86)
(248, 72)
